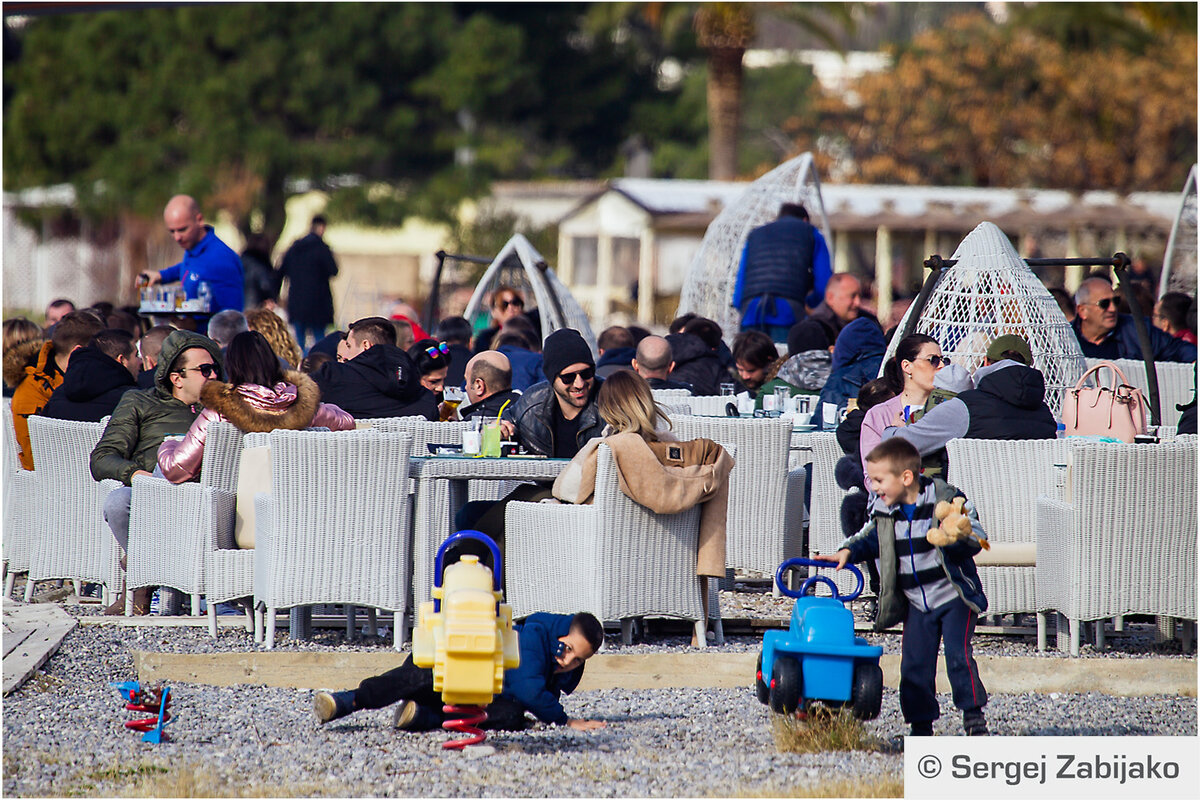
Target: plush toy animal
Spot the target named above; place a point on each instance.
(955, 525)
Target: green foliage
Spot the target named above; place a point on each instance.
(491, 230)
(425, 103)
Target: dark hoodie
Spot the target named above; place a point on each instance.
(1008, 402)
(697, 364)
(143, 418)
(613, 359)
(92, 386)
(381, 381)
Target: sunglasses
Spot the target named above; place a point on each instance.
(1104, 304)
(937, 361)
(516, 301)
(568, 378)
(207, 370)
(442, 348)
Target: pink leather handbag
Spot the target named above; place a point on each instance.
(1117, 410)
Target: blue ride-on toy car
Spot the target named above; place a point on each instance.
(818, 658)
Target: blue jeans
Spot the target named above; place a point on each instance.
(302, 331)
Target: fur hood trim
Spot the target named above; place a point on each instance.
(251, 417)
(18, 358)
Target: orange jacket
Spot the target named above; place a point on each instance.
(31, 396)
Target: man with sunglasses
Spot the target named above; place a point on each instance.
(140, 422)
(1008, 402)
(1104, 333)
(557, 417)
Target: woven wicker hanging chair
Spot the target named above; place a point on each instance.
(989, 292)
(708, 287)
(1179, 262)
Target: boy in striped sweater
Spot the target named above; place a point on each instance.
(934, 590)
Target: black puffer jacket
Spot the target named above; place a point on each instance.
(532, 415)
(381, 381)
(92, 386)
(696, 364)
(1008, 403)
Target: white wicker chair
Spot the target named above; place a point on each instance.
(22, 506)
(1176, 384)
(671, 395)
(69, 537)
(766, 500)
(825, 532)
(1003, 480)
(614, 558)
(709, 405)
(173, 527)
(337, 525)
(1124, 540)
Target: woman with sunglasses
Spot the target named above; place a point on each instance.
(259, 398)
(507, 303)
(909, 373)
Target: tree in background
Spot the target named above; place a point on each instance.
(981, 104)
(395, 109)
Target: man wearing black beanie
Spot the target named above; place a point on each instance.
(557, 417)
(553, 418)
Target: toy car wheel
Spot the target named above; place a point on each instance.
(760, 687)
(785, 686)
(866, 697)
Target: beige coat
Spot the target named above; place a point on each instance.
(666, 477)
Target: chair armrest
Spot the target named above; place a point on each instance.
(264, 525)
(1056, 543)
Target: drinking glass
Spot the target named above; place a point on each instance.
(726, 390)
(491, 440)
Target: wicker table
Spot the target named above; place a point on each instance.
(441, 484)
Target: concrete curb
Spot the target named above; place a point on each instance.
(1017, 675)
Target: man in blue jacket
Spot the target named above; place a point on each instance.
(205, 258)
(553, 649)
(784, 264)
(1103, 333)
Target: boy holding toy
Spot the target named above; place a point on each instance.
(927, 579)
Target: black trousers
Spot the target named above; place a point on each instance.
(953, 623)
(410, 682)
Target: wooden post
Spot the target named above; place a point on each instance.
(883, 274)
(841, 251)
(602, 301)
(1074, 274)
(646, 277)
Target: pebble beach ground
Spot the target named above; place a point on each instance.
(63, 732)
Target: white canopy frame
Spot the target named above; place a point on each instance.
(522, 267)
(708, 287)
(989, 292)
(1179, 262)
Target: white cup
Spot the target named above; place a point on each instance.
(769, 402)
(829, 414)
(472, 442)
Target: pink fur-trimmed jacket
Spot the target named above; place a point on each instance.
(293, 404)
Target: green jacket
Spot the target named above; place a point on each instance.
(142, 419)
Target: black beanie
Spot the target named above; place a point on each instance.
(563, 348)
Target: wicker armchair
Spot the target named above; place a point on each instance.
(69, 536)
(614, 558)
(172, 527)
(766, 500)
(1124, 539)
(1003, 479)
(337, 525)
(22, 506)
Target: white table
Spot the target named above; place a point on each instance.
(441, 484)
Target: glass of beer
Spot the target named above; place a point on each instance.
(452, 398)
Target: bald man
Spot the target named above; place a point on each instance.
(205, 259)
(489, 384)
(1104, 333)
(654, 363)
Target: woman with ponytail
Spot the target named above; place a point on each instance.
(910, 374)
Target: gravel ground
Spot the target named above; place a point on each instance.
(63, 735)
